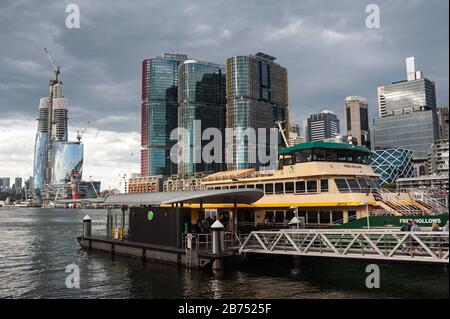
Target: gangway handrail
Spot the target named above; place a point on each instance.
(380, 244)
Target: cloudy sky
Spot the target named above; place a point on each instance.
(325, 45)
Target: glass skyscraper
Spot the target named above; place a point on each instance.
(201, 96)
(408, 117)
(392, 164)
(159, 112)
(257, 97)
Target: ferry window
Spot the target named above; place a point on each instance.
(233, 187)
(226, 187)
(241, 186)
(289, 187)
(250, 186)
(373, 183)
(324, 185)
(313, 218)
(337, 216)
(301, 214)
(311, 186)
(300, 187)
(260, 186)
(279, 188)
(354, 186)
(330, 156)
(279, 216)
(364, 185)
(303, 156)
(217, 187)
(342, 185)
(268, 189)
(351, 215)
(319, 155)
(325, 217)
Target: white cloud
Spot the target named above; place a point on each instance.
(106, 153)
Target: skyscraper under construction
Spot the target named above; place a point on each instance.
(56, 161)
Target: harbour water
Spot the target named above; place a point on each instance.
(36, 245)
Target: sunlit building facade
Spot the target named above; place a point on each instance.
(67, 161)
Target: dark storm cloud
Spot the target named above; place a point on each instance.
(325, 45)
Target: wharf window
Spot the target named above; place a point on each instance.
(279, 188)
(351, 215)
(250, 186)
(325, 217)
(289, 187)
(342, 185)
(269, 216)
(260, 186)
(279, 216)
(324, 185)
(354, 186)
(300, 187)
(312, 217)
(311, 186)
(268, 189)
(337, 216)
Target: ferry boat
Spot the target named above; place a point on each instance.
(325, 184)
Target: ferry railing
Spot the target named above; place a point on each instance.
(429, 246)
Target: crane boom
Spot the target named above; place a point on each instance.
(56, 68)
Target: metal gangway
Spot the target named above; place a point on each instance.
(385, 245)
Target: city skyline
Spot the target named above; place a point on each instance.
(103, 79)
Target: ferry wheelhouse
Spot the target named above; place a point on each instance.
(326, 184)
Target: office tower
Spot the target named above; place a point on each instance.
(67, 162)
(159, 112)
(295, 134)
(357, 119)
(408, 116)
(323, 125)
(18, 183)
(438, 158)
(201, 96)
(6, 182)
(443, 121)
(414, 94)
(257, 97)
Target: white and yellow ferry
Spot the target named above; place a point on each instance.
(328, 184)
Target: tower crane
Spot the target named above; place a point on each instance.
(80, 133)
(56, 68)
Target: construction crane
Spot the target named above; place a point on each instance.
(282, 132)
(80, 133)
(92, 183)
(56, 68)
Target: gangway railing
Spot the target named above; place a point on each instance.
(388, 245)
(436, 206)
(396, 202)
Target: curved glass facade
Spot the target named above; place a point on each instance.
(201, 96)
(392, 164)
(67, 159)
(40, 162)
